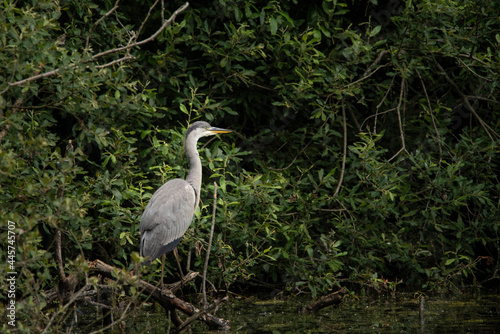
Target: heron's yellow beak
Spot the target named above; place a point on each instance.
(219, 130)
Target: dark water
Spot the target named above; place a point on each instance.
(383, 315)
(390, 315)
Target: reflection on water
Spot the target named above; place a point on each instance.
(386, 315)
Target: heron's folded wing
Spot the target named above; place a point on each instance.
(166, 218)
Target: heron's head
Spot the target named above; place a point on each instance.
(202, 129)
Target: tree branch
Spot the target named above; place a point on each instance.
(101, 54)
(485, 126)
(167, 299)
(130, 57)
(149, 39)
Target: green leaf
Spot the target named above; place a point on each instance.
(375, 31)
(183, 109)
(449, 261)
(273, 25)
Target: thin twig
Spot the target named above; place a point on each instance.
(99, 21)
(479, 61)
(64, 307)
(182, 328)
(482, 99)
(376, 61)
(375, 121)
(472, 71)
(400, 102)
(344, 153)
(401, 131)
(485, 126)
(432, 116)
(354, 119)
(378, 107)
(368, 73)
(145, 20)
(204, 289)
(123, 314)
(366, 76)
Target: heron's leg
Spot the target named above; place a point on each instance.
(178, 264)
(162, 268)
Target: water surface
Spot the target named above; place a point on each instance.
(462, 314)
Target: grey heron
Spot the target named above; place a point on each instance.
(171, 208)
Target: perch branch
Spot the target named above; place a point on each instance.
(167, 299)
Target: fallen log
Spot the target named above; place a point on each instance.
(325, 301)
(169, 301)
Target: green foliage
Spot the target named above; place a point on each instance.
(365, 152)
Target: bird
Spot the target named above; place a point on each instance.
(170, 210)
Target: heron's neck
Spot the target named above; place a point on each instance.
(194, 175)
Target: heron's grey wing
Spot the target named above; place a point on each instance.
(166, 218)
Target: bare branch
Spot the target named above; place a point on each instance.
(104, 53)
(33, 78)
(149, 39)
(116, 61)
